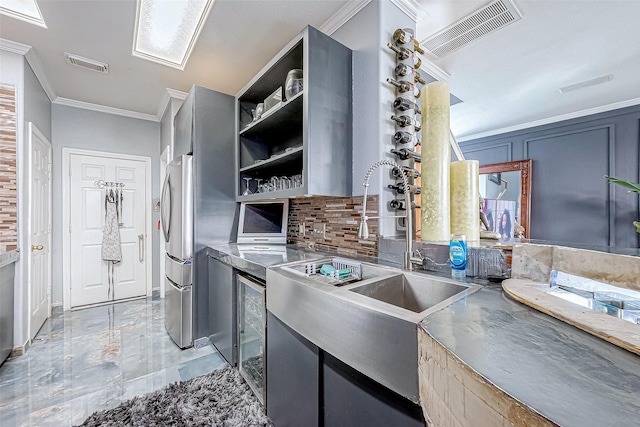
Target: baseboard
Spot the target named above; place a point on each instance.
(56, 309)
(22, 350)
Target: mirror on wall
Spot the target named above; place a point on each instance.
(508, 182)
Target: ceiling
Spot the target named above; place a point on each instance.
(510, 78)
(507, 80)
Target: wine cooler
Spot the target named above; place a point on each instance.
(252, 318)
(407, 80)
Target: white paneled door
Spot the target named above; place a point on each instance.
(39, 258)
(89, 274)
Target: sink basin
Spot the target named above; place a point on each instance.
(410, 292)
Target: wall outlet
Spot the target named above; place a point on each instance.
(301, 229)
(319, 229)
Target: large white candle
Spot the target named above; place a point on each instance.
(436, 156)
(465, 202)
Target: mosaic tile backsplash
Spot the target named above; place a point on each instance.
(8, 181)
(341, 216)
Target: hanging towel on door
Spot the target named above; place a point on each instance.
(111, 249)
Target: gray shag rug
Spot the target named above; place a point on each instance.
(220, 398)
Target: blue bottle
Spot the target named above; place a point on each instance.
(458, 254)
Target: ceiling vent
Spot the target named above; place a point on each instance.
(478, 24)
(90, 64)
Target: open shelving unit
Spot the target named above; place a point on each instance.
(308, 134)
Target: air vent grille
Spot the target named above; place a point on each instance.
(483, 21)
(90, 64)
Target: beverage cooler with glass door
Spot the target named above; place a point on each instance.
(252, 318)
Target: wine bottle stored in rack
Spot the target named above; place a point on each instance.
(406, 121)
(403, 37)
(404, 86)
(402, 137)
(404, 104)
(406, 154)
(410, 172)
(399, 188)
(398, 204)
(404, 53)
(404, 70)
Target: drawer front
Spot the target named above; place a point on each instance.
(179, 272)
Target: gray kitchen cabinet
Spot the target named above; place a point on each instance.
(307, 386)
(293, 377)
(308, 134)
(350, 398)
(222, 324)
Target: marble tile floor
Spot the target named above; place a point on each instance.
(93, 359)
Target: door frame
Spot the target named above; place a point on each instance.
(66, 215)
(32, 130)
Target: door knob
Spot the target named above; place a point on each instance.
(37, 247)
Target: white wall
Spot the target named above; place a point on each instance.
(91, 130)
(367, 34)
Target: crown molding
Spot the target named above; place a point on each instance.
(104, 109)
(166, 99)
(342, 16)
(411, 8)
(554, 119)
(14, 47)
(38, 70)
(34, 63)
(435, 71)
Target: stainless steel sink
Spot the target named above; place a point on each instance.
(372, 324)
(413, 292)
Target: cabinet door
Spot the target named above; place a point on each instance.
(353, 399)
(293, 375)
(222, 313)
(183, 122)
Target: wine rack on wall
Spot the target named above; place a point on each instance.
(406, 139)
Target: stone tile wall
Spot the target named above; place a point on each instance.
(535, 262)
(8, 180)
(454, 395)
(341, 216)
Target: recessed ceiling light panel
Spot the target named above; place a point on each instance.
(24, 10)
(167, 30)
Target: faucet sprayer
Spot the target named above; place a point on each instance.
(363, 231)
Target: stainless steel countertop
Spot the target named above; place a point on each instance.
(568, 375)
(255, 259)
(7, 258)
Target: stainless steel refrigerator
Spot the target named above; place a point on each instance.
(198, 209)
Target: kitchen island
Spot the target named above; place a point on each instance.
(488, 360)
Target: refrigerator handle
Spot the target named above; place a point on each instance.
(166, 208)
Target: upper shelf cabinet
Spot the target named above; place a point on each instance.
(303, 142)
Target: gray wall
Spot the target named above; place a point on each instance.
(37, 106)
(367, 34)
(91, 130)
(32, 105)
(570, 199)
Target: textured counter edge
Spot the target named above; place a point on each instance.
(7, 258)
(448, 373)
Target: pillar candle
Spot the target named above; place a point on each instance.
(436, 156)
(465, 201)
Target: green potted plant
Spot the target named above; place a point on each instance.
(631, 187)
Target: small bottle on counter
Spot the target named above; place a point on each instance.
(458, 255)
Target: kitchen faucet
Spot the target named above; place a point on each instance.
(363, 231)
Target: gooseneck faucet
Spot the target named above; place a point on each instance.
(363, 231)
